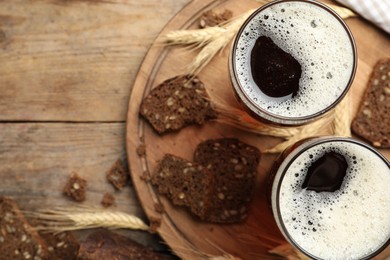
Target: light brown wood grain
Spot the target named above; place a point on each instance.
(70, 61)
(66, 60)
(37, 158)
(188, 236)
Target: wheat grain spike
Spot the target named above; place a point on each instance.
(342, 11)
(289, 252)
(217, 44)
(76, 218)
(197, 37)
(310, 130)
(342, 120)
(238, 118)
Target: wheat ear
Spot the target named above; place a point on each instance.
(287, 251)
(197, 37)
(238, 118)
(342, 11)
(307, 131)
(76, 218)
(342, 120)
(218, 44)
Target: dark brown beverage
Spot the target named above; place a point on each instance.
(330, 198)
(292, 61)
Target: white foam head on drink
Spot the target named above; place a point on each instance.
(312, 36)
(350, 223)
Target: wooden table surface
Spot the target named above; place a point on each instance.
(66, 72)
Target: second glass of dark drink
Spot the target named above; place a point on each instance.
(330, 198)
(292, 61)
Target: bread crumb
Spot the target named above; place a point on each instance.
(76, 187)
(154, 224)
(145, 176)
(141, 150)
(108, 200)
(118, 176)
(159, 207)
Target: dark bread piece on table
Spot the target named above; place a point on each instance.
(108, 245)
(18, 239)
(234, 165)
(185, 183)
(108, 200)
(372, 121)
(62, 245)
(118, 176)
(177, 103)
(75, 187)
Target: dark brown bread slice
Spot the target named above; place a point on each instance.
(118, 176)
(61, 246)
(75, 187)
(184, 183)
(108, 245)
(177, 103)
(372, 121)
(234, 165)
(212, 18)
(18, 239)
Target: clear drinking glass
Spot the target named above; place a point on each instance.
(352, 222)
(317, 38)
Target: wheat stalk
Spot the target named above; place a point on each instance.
(289, 252)
(218, 44)
(307, 131)
(76, 218)
(238, 118)
(341, 124)
(342, 11)
(196, 38)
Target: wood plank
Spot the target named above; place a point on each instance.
(36, 160)
(74, 60)
(253, 238)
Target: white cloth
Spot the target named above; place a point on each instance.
(376, 11)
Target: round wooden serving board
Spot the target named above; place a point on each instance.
(188, 237)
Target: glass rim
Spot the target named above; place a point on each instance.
(292, 157)
(272, 117)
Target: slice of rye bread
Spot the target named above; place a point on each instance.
(104, 244)
(234, 165)
(62, 245)
(177, 103)
(18, 239)
(185, 183)
(372, 121)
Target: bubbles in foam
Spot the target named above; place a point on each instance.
(349, 223)
(312, 36)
